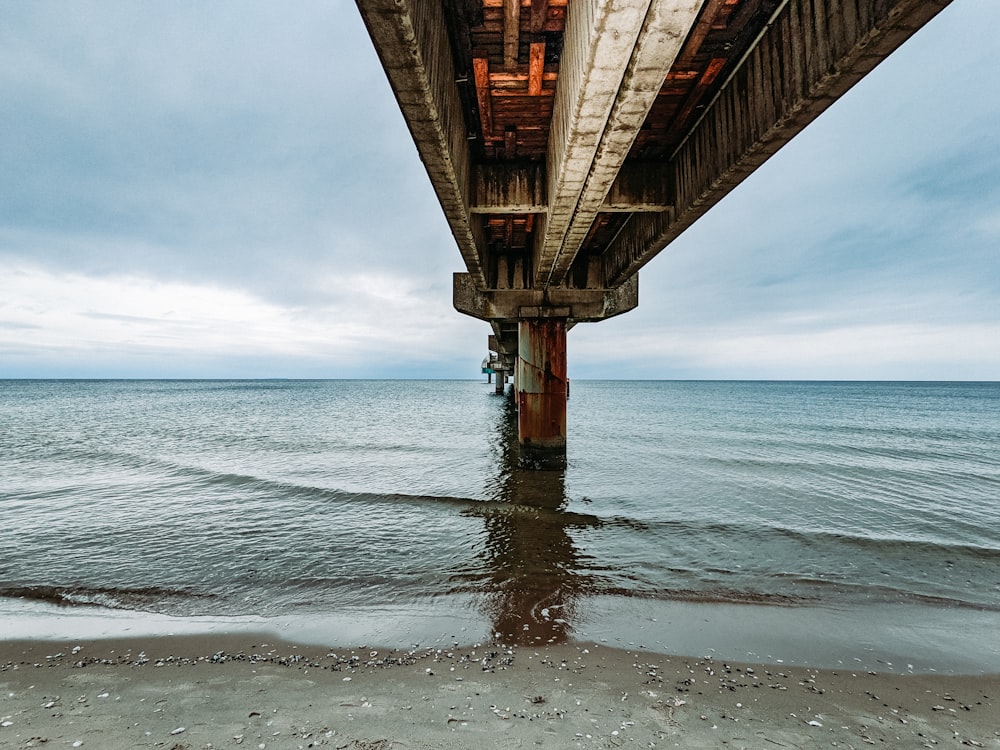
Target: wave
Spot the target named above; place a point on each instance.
(594, 588)
(202, 477)
(471, 506)
(827, 590)
(815, 592)
(882, 543)
(139, 598)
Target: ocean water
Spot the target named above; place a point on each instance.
(691, 515)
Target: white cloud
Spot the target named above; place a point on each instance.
(114, 318)
(228, 189)
(856, 352)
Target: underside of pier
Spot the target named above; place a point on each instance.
(570, 141)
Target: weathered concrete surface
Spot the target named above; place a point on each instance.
(615, 57)
(618, 163)
(811, 53)
(541, 391)
(639, 187)
(577, 305)
(509, 189)
(613, 61)
(412, 44)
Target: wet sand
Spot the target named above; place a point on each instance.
(215, 691)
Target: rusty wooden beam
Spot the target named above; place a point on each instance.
(536, 68)
(516, 80)
(510, 305)
(698, 33)
(481, 71)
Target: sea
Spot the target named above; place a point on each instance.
(822, 523)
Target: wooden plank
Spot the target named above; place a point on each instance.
(678, 75)
(555, 22)
(481, 69)
(706, 80)
(539, 13)
(701, 28)
(511, 33)
(536, 68)
(518, 80)
(510, 142)
(488, 4)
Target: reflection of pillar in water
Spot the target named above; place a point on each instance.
(534, 578)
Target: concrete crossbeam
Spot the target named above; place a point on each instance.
(503, 341)
(520, 189)
(577, 305)
(641, 187)
(509, 189)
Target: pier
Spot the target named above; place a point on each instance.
(570, 141)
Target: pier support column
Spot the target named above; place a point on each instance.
(501, 380)
(541, 392)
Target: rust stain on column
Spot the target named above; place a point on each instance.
(541, 387)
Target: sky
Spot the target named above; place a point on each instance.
(228, 190)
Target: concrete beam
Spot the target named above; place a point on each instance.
(503, 341)
(641, 187)
(411, 39)
(576, 305)
(616, 55)
(810, 54)
(509, 189)
(503, 188)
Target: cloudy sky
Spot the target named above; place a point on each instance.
(192, 189)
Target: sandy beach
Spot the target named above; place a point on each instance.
(214, 691)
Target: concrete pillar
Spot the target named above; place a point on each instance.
(541, 392)
(501, 379)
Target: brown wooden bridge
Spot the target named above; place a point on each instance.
(570, 141)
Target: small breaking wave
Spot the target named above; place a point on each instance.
(146, 598)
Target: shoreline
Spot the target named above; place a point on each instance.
(254, 690)
(896, 638)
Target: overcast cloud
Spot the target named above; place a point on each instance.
(227, 189)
